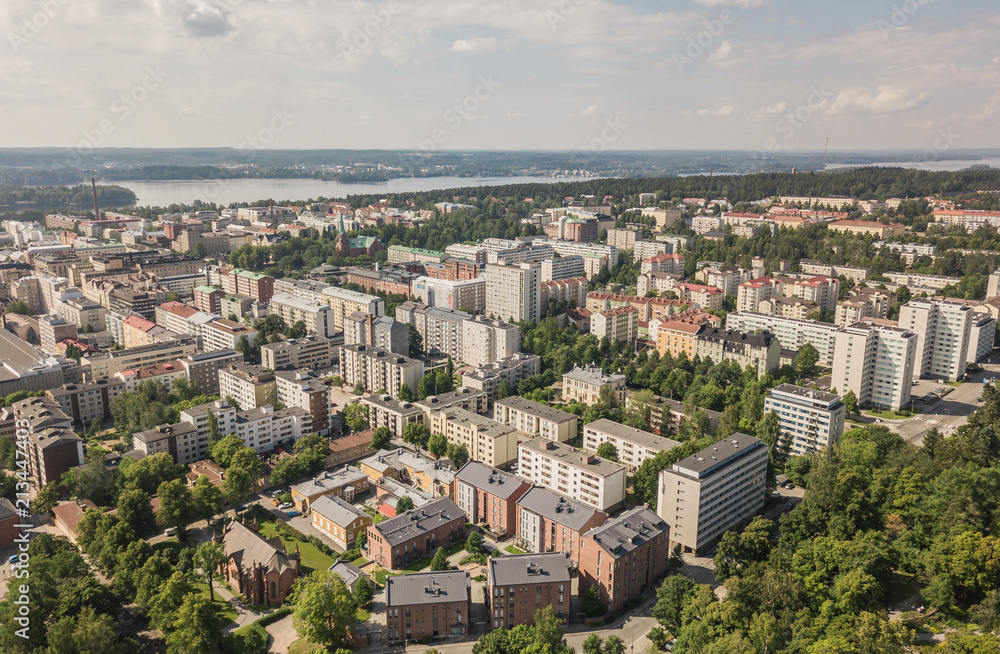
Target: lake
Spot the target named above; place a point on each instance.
(227, 191)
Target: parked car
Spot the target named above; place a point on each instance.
(789, 485)
(12, 558)
(294, 514)
(285, 506)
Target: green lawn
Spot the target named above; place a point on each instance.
(312, 558)
(170, 547)
(425, 562)
(360, 561)
(223, 610)
(381, 574)
(514, 550)
(303, 646)
(364, 615)
(894, 415)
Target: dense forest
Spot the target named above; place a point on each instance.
(57, 197)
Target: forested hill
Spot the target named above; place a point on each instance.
(65, 197)
(862, 183)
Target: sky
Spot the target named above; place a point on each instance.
(759, 75)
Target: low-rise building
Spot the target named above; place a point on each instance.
(625, 557)
(536, 419)
(579, 475)
(427, 605)
(512, 582)
(585, 385)
(714, 490)
(350, 448)
(262, 571)
(810, 420)
(341, 521)
(761, 352)
(415, 534)
(489, 497)
(633, 445)
(512, 369)
(344, 483)
(309, 352)
(549, 522)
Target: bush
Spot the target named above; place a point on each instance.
(321, 546)
(274, 617)
(290, 532)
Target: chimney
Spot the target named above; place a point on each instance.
(97, 211)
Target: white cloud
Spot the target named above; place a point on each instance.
(724, 110)
(476, 46)
(589, 111)
(722, 52)
(989, 110)
(776, 109)
(742, 4)
(884, 100)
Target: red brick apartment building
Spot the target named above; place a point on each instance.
(625, 556)
(427, 605)
(415, 534)
(549, 522)
(489, 496)
(517, 586)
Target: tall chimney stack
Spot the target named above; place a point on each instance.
(97, 212)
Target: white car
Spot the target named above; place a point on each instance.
(285, 506)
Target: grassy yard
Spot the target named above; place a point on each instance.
(312, 558)
(303, 646)
(514, 550)
(170, 547)
(894, 415)
(425, 562)
(223, 611)
(381, 574)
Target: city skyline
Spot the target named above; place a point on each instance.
(519, 74)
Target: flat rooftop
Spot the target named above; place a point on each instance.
(573, 457)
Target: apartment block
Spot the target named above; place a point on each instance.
(549, 522)
(440, 329)
(413, 535)
(300, 388)
(485, 341)
(470, 399)
(511, 369)
(880, 231)
(181, 441)
(243, 282)
(375, 369)
(208, 299)
(469, 252)
(318, 318)
(488, 441)
(85, 403)
(513, 292)
(50, 454)
(223, 334)
(707, 297)
(345, 302)
(83, 312)
(878, 362)
(382, 332)
(634, 445)
(106, 364)
(714, 490)
(623, 239)
(310, 352)
(562, 268)
(384, 411)
(625, 557)
(665, 263)
(465, 294)
(943, 328)
(579, 475)
(621, 324)
(585, 385)
(251, 386)
(760, 351)
(573, 289)
(518, 586)
(202, 369)
(725, 279)
(489, 497)
(982, 333)
(791, 333)
(428, 605)
(810, 420)
(165, 374)
(536, 420)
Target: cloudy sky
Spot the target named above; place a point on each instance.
(501, 74)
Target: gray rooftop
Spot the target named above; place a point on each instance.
(327, 481)
(524, 569)
(628, 531)
(807, 395)
(347, 571)
(593, 375)
(491, 480)
(481, 424)
(701, 464)
(163, 431)
(336, 510)
(571, 456)
(559, 509)
(632, 435)
(428, 588)
(417, 522)
(538, 410)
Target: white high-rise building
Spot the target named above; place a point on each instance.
(514, 292)
(810, 420)
(484, 340)
(942, 328)
(877, 362)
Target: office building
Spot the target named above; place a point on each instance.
(706, 494)
(535, 420)
(943, 328)
(375, 369)
(518, 586)
(810, 420)
(107, 364)
(489, 497)
(24, 368)
(428, 605)
(579, 475)
(513, 292)
(633, 445)
(625, 557)
(878, 362)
